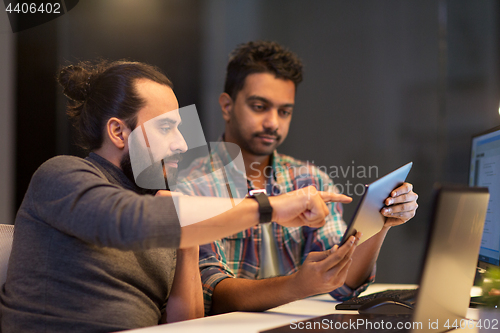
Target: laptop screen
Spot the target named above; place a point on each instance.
(485, 171)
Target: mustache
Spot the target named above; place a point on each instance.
(173, 158)
(268, 133)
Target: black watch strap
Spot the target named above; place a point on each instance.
(265, 208)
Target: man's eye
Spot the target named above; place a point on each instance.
(258, 107)
(164, 130)
(285, 113)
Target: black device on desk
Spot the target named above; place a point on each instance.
(449, 266)
(386, 306)
(404, 297)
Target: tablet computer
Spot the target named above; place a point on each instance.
(367, 217)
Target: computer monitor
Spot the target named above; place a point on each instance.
(485, 171)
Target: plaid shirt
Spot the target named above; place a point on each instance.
(239, 255)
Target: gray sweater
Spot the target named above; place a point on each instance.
(90, 254)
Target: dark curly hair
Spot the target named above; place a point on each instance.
(260, 57)
(102, 90)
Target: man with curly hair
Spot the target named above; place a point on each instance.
(269, 265)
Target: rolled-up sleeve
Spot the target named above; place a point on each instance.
(213, 269)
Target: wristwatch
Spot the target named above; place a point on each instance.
(265, 209)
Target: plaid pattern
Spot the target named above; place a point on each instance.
(239, 255)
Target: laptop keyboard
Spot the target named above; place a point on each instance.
(405, 295)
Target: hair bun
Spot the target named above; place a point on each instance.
(75, 82)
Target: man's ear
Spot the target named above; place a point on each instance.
(117, 132)
(226, 106)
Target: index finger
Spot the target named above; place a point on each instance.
(403, 189)
(334, 197)
(165, 193)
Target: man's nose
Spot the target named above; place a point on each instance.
(271, 119)
(178, 145)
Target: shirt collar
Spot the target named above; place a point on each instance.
(225, 157)
(219, 152)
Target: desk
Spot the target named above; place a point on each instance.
(251, 322)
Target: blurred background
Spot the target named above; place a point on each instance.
(385, 83)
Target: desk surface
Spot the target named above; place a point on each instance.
(252, 322)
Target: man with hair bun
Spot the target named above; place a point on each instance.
(268, 265)
(92, 251)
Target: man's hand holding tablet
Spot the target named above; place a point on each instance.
(401, 205)
(372, 214)
(392, 202)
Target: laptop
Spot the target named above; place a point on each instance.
(446, 277)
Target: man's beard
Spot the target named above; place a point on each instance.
(151, 174)
(247, 144)
(260, 151)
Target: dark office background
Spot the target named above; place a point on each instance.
(385, 82)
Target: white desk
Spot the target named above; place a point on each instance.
(252, 322)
